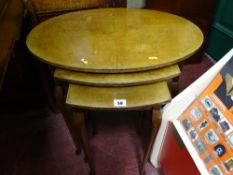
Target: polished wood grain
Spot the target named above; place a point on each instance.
(114, 40)
(142, 96)
(123, 79)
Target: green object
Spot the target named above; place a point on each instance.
(220, 38)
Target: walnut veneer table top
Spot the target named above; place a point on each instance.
(114, 40)
(142, 96)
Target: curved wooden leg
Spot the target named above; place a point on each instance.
(156, 121)
(80, 126)
(91, 120)
(60, 91)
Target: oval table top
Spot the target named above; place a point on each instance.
(114, 40)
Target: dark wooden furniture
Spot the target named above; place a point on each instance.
(11, 12)
(43, 9)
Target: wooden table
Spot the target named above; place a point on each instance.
(106, 52)
(114, 40)
(120, 79)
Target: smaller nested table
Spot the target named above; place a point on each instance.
(117, 80)
(140, 91)
(143, 97)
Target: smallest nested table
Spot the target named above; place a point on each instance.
(142, 97)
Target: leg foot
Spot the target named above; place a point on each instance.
(92, 173)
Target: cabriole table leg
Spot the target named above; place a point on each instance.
(156, 120)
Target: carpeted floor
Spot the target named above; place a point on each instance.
(37, 142)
